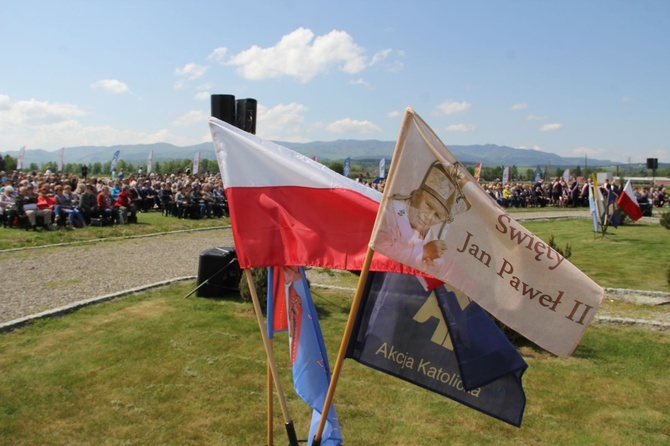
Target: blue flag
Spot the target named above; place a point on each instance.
(347, 167)
(288, 295)
(115, 159)
(402, 330)
(538, 174)
(593, 208)
(613, 215)
(483, 352)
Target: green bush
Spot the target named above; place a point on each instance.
(565, 252)
(667, 273)
(260, 276)
(665, 220)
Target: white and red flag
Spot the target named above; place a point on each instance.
(435, 218)
(628, 202)
(289, 210)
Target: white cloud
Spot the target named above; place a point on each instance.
(450, 107)
(535, 118)
(381, 55)
(48, 125)
(519, 106)
(201, 96)
(218, 54)
(5, 102)
(550, 127)
(626, 99)
(463, 128)
(393, 114)
(33, 113)
(362, 82)
(194, 117)
(529, 148)
(282, 122)
(349, 125)
(587, 151)
(301, 56)
(191, 71)
(111, 85)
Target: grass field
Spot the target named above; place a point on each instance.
(148, 223)
(155, 368)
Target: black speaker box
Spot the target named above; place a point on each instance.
(246, 115)
(220, 269)
(652, 163)
(223, 108)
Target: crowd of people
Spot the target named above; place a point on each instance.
(559, 193)
(49, 201)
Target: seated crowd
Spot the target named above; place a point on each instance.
(559, 193)
(53, 201)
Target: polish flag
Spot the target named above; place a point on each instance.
(289, 210)
(628, 202)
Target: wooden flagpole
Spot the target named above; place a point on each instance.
(272, 364)
(353, 311)
(270, 436)
(351, 321)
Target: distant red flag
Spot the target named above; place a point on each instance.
(628, 202)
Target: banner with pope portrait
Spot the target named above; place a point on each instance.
(436, 218)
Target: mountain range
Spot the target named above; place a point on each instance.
(487, 154)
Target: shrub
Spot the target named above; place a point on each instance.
(260, 276)
(667, 273)
(565, 252)
(665, 220)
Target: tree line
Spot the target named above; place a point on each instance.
(174, 166)
(363, 169)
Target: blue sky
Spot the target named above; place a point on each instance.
(569, 77)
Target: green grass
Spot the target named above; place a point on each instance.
(148, 223)
(154, 368)
(633, 256)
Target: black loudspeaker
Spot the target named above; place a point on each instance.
(652, 163)
(246, 115)
(220, 269)
(223, 108)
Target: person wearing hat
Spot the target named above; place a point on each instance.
(413, 227)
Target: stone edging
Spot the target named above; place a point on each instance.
(60, 311)
(16, 323)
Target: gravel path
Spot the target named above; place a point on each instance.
(42, 279)
(37, 280)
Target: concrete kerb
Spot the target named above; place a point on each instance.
(659, 299)
(72, 307)
(108, 239)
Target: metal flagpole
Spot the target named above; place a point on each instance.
(290, 429)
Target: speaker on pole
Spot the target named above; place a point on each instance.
(652, 163)
(246, 115)
(223, 108)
